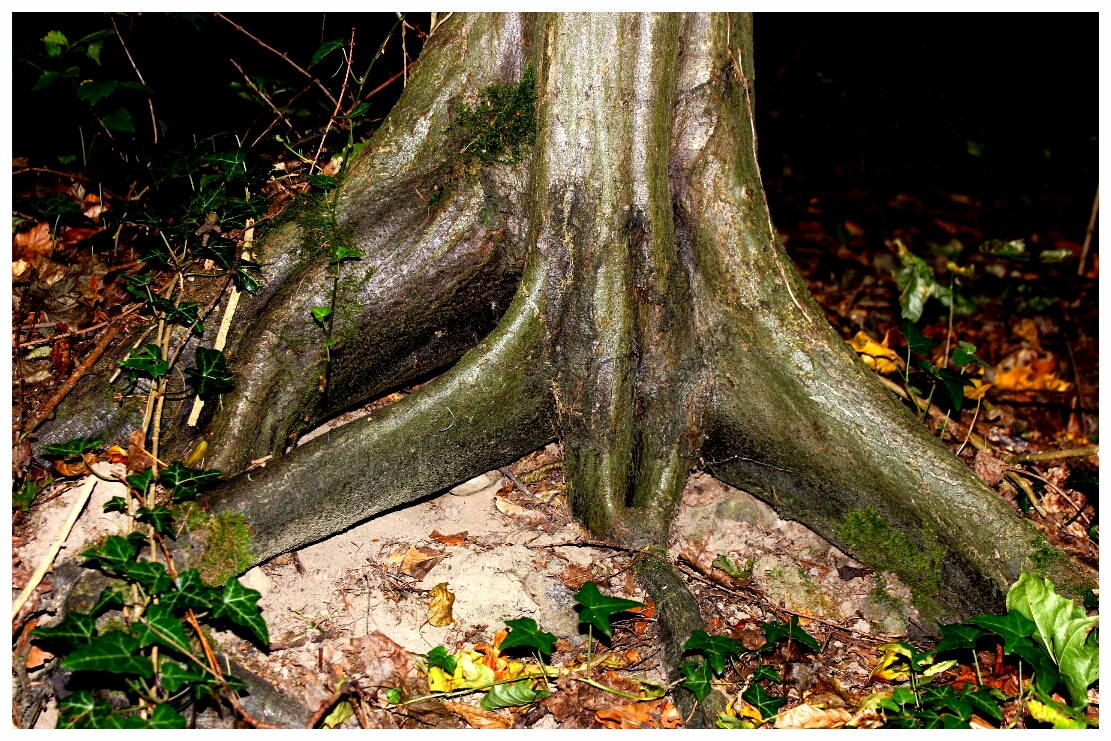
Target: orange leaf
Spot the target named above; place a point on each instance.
(33, 241)
(456, 540)
(652, 714)
(477, 717)
(116, 454)
(808, 716)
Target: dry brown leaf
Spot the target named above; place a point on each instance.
(138, 460)
(380, 661)
(439, 610)
(507, 507)
(36, 657)
(477, 717)
(979, 723)
(808, 716)
(574, 576)
(417, 563)
(652, 714)
(117, 454)
(459, 539)
(35, 240)
(77, 468)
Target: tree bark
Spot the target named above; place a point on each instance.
(655, 323)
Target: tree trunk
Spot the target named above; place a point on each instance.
(655, 322)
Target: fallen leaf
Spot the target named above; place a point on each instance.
(76, 468)
(653, 714)
(439, 610)
(1025, 370)
(35, 240)
(574, 576)
(479, 718)
(458, 539)
(977, 390)
(379, 661)
(417, 563)
(507, 507)
(138, 460)
(36, 657)
(117, 454)
(808, 716)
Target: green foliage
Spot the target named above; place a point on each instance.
(525, 632)
(716, 649)
(510, 696)
(160, 518)
(73, 630)
(598, 608)
(965, 353)
(1014, 249)
(917, 283)
(502, 123)
(324, 182)
(722, 562)
(441, 658)
(765, 704)
(765, 673)
(114, 653)
(210, 376)
(239, 604)
(697, 679)
(145, 360)
(26, 494)
(321, 313)
(71, 448)
(790, 631)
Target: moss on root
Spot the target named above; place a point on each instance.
(226, 544)
(877, 543)
(502, 124)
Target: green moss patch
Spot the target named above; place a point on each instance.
(502, 124)
(874, 541)
(226, 551)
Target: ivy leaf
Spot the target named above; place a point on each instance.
(178, 475)
(965, 354)
(917, 341)
(324, 50)
(982, 700)
(220, 250)
(113, 652)
(324, 182)
(953, 383)
(393, 695)
(141, 482)
(510, 695)
(191, 591)
(26, 494)
(765, 671)
(139, 285)
(598, 608)
(185, 314)
(75, 707)
(247, 276)
(525, 632)
(359, 110)
(343, 252)
(55, 41)
(115, 504)
(160, 626)
(714, 648)
(1014, 249)
(71, 448)
(74, 630)
(174, 675)
(109, 597)
(789, 630)
(93, 91)
(722, 562)
(764, 703)
(1012, 627)
(119, 120)
(916, 281)
(151, 574)
(698, 678)
(160, 518)
(146, 359)
(958, 635)
(164, 716)
(233, 163)
(115, 553)
(210, 377)
(241, 605)
(321, 313)
(441, 658)
(1046, 674)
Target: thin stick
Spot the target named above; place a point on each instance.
(153, 121)
(1053, 455)
(342, 90)
(69, 175)
(75, 332)
(222, 334)
(261, 95)
(55, 545)
(392, 79)
(281, 54)
(516, 481)
(974, 416)
(1088, 234)
(48, 408)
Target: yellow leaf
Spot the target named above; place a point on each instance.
(339, 715)
(865, 345)
(808, 716)
(439, 610)
(939, 668)
(977, 390)
(470, 672)
(438, 680)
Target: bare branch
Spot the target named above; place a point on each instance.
(346, 77)
(153, 121)
(262, 95)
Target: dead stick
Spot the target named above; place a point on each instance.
(1088, 234)
(48, 408)
(262, 95)
(153, 121)
(45, 340)
(1053, 455)
(342, 90)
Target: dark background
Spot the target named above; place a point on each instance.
(1001, 109)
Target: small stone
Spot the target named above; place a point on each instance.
(479, 484)
(257, 580)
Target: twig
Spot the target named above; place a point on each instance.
(1051, 485)
(48, 408)
(262, 95)
(1029, 492)
(392, 79)
(342, 90)
(51, 172)
(1088, 234)
(974, 416)
(1053, 455)
(519, 484)
(86, 330)
(55, 545)
(281, 54)
(222, 334)
(153, 121)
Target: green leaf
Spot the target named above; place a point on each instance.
(1062, 629)
(119, 120)
(210, 376)
(715, 648)
(233, 164)
(109, 597)
(917, 282)
(1046, 673)
(146, 359)
(141, 482)
(178, 475)
(93, 51)
(1047, 710)
(75, 707)
(359, 110)
(789, 630)
(26, 494)
(325, 49)
(324, 182)
(343, 252)
(340, 714)
(185, 314)
(725, 720)
(965, 354)
(764, 703)
(151, 574)
(945, 698)
(71, 448)
(765, 671)
(510, 695)
(1015, 249)
(115, 553)
(441, 658)
(1054, 256)
(917, 341)
(55, 41)
(525, 632)
(598, 608)
(902, 696)
(93, 91)
(981, 699)
(191, 591)
(241, 605)
(113, 652)
(160, 518)
(46, 79)
(722, 562)
(139, 285)
(958, 635)
(698, 678)
(164, 716)
(160, 626)
(953, 383)
(247, 276)
(220, 250)
(115, 504)
(321, 313)
(74, 630)
(393, 695)
(174, 675)
(1011, 627)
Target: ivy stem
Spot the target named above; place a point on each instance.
(976, 663)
